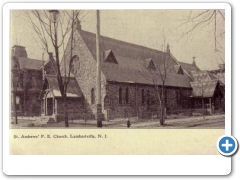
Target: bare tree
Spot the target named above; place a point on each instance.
(202, 96)
(200, 19)
(158, 76)
(52, 28)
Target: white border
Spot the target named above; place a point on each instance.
(113, 165)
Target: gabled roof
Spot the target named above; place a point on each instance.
(46, 63)
(189, 67)
(109, 57)
(150, 64)
(73, 89)
(178, 69)
(50, 64)
(131, 58)
(204, 89)
(27, 63)
(211, 76)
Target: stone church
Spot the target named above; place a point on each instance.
(129, 76)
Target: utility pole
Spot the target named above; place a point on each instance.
(99, 115)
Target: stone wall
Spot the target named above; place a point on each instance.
(139, 105)
(86, 73)
(75, 109)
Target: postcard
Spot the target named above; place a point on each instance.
(108, 83)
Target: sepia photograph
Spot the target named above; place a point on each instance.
(117, 69)
(95, 85)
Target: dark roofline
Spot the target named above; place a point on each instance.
(143, 84)
(53, 75)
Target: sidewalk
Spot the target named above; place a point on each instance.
(216, 121)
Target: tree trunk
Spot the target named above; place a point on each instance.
(163, 106)
(160, 105)
(65, 110)
(160, 113)
(15, 107)
(203, 108)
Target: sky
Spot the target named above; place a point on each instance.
(143, 27)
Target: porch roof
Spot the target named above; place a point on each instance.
(73, 89)
(203, 89)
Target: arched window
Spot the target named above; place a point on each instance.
(107, 102)
(126, 96)
(120, 95)
(75, 65)
(143, 98)
(92, 96)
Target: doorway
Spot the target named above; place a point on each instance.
(49, 106)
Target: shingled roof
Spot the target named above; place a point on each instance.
(131, 59)
(27, 63)
(203, 76)
(189, 67)
(73, 89)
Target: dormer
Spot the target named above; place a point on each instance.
(178, 69)
(109, 57)
(150, 64)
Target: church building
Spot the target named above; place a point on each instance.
(130, 74)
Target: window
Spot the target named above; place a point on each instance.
(109, 57)
(75, 65)
(148, 97)
(17, 103)
(92, 96)
(126, 96)
(107, 102)
(20, 81)
(120, 95)
(143, 98)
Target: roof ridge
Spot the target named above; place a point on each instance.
(185, 63)
(123, 42)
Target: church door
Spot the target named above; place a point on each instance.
(49, 106)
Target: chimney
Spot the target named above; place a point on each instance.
(194, 62)
(50, 56)
(19, 51)
(168, 49)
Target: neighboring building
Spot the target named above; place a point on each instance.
(127, 90)
(219, 73)
(27, 81)
(207, 91)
